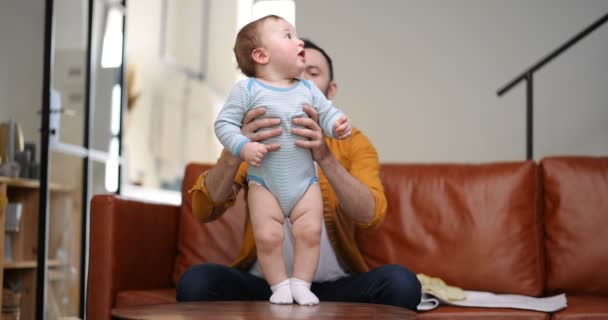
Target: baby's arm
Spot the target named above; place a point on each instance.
(228, 127)
(332, 120)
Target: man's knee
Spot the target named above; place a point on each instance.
(402, 285)
(197, 283)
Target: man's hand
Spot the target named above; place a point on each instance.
(342, 128)
(251, 129)
(313, 132)
(253, 153)
(252, 125)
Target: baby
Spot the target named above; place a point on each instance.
(283, 183)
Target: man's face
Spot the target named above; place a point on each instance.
(317, 71)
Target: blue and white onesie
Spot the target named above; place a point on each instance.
(289, 171)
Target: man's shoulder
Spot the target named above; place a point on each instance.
(357, 137)
(357, 140)
(355, 149)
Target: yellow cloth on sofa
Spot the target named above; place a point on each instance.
(440, 289)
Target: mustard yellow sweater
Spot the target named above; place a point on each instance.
(360, 159)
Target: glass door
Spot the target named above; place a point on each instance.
(81, 132)
(61, 224)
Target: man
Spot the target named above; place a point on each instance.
(353, 197)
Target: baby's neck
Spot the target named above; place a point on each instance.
(276, 80)
(281, 83)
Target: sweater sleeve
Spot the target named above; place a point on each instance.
(228, 124)
(365, 166)
(328, 113)
(203, 208)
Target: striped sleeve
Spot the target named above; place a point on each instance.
(328, 113)
(228, 124)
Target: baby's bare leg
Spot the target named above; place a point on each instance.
(267, 220)
(306, 228)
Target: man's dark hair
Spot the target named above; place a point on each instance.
(311, 45)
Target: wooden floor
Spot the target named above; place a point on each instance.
(262, 310)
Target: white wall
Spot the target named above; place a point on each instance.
(420, 77)
(171, 123)
(21, 64)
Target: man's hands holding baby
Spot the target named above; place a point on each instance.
(254, 152)
(252, 125)
(314, 133)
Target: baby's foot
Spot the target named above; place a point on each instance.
(281, 293)
(302, 294)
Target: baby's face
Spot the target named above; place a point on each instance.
(286, 50)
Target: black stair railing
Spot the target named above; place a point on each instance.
(528, 76)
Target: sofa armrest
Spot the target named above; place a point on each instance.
(132, 246)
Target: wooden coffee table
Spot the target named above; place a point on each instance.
(262, 310)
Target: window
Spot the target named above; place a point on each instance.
(250, 10)
(111, 55)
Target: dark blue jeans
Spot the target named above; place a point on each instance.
(391, 285)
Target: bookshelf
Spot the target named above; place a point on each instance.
(18, 258)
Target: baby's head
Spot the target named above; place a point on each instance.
(269, 42)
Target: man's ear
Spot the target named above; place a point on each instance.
(332, 90)
(260, 56)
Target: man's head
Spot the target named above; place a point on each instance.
(319, 69)
(267, 39)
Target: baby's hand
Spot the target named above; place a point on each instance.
(253, 153)
(342, 128)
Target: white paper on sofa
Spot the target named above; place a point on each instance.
(492, 300)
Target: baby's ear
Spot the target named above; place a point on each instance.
(260, 55)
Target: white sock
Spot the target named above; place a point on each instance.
(300, 290)
(281, 293)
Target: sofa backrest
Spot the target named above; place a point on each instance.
(475, 226)
(576, 224)
(479, 227)
(218, 241)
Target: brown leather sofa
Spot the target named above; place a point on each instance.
(521, 227)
